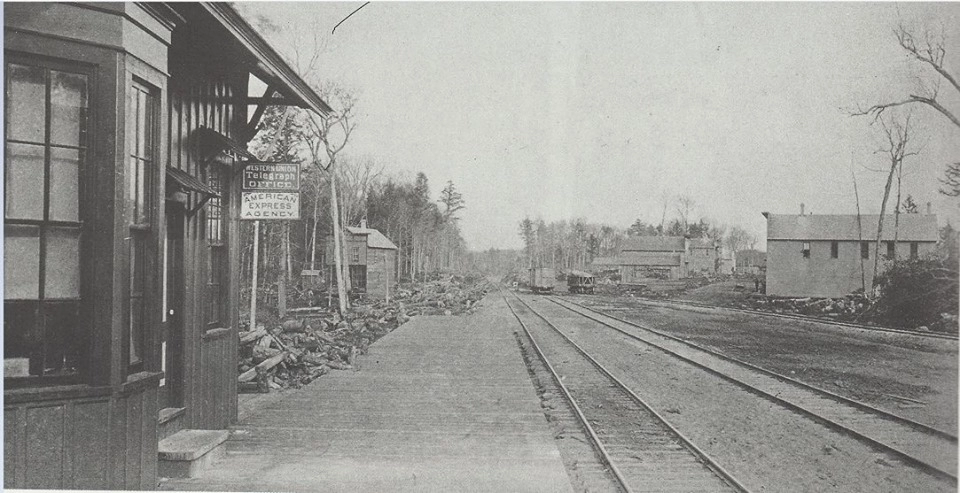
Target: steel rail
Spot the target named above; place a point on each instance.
(709, 462)
(805, 318)
(830, 423)
(846, 400)
(604, 455)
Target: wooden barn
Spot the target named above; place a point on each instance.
(662, 257)
(126, 129)
(372, 260)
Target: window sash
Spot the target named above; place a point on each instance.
(215, 301)
(216, 295)
(140, 170)
(45, 333)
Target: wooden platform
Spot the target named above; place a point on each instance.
(440, 404)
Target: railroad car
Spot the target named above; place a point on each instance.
(581, 282)
(542, 280)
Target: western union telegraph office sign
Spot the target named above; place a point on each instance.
(270, 191)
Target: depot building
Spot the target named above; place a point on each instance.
(125, 139)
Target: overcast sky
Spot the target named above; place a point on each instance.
(601, 110)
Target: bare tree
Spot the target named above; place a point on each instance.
(739, 239)
(685, 206)
(897, 135)
(329, 135)
(931, 51)
(951, 180)
(356, 178)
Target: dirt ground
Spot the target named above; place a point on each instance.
(766, 447)
(720, 293)
(910, 376)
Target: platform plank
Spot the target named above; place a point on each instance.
(440, 404)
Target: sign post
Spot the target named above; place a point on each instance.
(270, 191)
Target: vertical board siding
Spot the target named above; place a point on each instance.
(92, 443)
(45, 446)
(10, 446)
(133, 439)
(148, 435)
(118, 439)
(209, 366)
(217, 390)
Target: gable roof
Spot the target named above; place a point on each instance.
(260, 58)
(654, 259)
(653, 244)
(640, 258)
(913, 227)
(375, 239)
(604, 261)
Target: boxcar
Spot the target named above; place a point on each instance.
(580, 282)
(542, 280)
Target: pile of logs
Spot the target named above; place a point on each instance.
(843, 309)
(310, 344)
(454, 295)
(312, 341)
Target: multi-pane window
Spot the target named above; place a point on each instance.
(139, 169)
(355, 255)
(45, 149)
(215, 297)
(891, 250)
(865, 250)
(805, 250)
(834, 249)
(914, 249)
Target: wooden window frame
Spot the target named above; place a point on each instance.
(865, 250)
(914, 249)
(141, 221)
(43, 307)
(834, 249)
(215, 233)
(805, 249)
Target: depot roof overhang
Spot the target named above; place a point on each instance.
(244, 42)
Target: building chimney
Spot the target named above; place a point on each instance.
(929, 209)
(363, 222)
(801, 208)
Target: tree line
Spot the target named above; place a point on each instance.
(426, 231)
(575, 244)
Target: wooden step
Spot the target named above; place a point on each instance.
(169, 421)
(187, 453)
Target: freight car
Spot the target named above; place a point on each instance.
(542, 280)
(581, 282)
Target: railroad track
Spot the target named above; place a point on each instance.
(926, 448)
(642, 449)
(805, 318)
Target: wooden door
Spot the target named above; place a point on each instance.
(171, 338)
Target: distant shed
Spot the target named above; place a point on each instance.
(372, 260)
